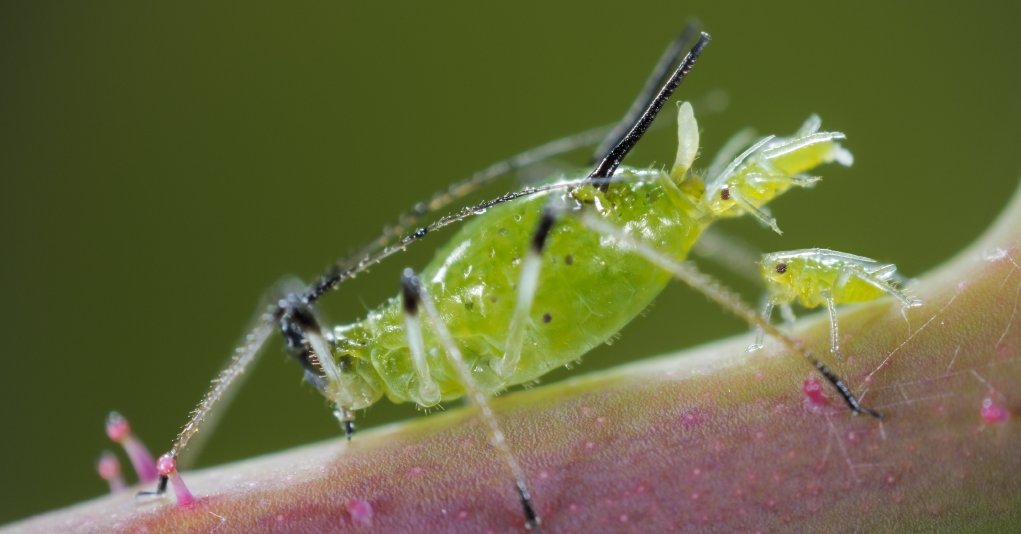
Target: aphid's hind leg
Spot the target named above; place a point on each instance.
(715, 291)
(880, 279)
(414, 295)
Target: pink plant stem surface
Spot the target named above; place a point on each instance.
(709, 439)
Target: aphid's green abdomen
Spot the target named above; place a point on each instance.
(588, 288)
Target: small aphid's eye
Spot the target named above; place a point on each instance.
(725, 193)
(781, 267)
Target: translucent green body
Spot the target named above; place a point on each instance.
(588, 288)
(809, 275)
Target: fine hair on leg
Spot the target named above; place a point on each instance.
(416, 294)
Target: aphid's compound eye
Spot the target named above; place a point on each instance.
(725, 193)
(781, 268)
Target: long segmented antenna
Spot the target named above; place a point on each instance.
(723, 296)
(657, 78)
(612, 159)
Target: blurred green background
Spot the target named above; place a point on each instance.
(162, 166)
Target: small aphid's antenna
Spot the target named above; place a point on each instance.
(416, 294)
(723, 296)
(615, 155)
(657, 78)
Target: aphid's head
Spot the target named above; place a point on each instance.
(779, 274)
(768, 168)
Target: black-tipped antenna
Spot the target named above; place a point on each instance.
(612, 159)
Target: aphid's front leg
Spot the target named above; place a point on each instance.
(759, 213)
(414, 295)
(831, 307)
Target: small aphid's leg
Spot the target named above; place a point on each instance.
(760, 334)
(119, 431)
(659, 76)
(831, 307)
(415, 294)
(879, 280)
(527, 285)
(805, 180)
(715, 182)
(801, 142)
(720, 294)
(730, 151)
(754, 211)
(609, 162)
(221, 386)
(109, 469)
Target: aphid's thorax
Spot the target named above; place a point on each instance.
(769, 168)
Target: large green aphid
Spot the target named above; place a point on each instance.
(584, 292)
(537, 277)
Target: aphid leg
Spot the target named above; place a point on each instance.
(414, 295)
(760, 334)
(720, 294)
(759, 213)
(527, 285)
(657, 78)
(880, 279)
(609, 162)
(831, 307)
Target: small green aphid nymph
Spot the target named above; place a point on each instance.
(537, 277)
(817, 277)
